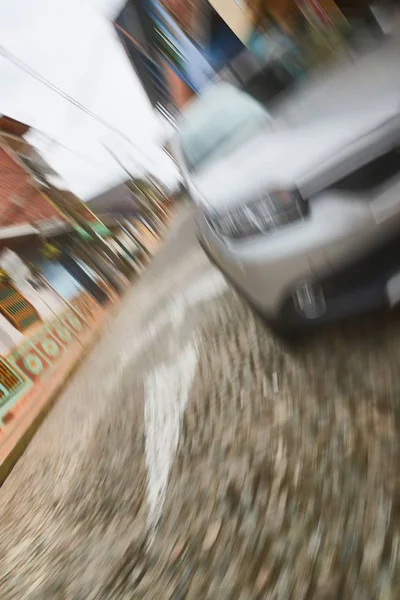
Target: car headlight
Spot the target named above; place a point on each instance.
(268, 213)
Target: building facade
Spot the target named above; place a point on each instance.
(134, 27)
(53, 294)
(20, 200)
(177, 50)
(262, 46)
(39, 279)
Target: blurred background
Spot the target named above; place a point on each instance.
(177, 48)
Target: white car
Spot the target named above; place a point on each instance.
(300, 207)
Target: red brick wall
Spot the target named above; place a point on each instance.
(20, 202)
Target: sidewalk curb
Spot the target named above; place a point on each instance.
(25, 431)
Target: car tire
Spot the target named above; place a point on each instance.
(289, 335)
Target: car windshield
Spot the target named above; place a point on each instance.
(220, 120)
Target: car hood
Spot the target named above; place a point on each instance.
(285, 157)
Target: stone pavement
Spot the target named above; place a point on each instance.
(193, 456)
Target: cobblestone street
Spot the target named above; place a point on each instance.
(192, 456)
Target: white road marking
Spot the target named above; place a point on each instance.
(167, 387)
(167, 390)
(208, 287)
(275, 383)
(166, 394)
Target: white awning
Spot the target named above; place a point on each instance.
(15, 231)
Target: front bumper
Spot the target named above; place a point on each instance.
(258, 269)
(367, 284)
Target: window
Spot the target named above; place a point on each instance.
(16, 308)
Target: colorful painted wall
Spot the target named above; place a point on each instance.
(47, 352)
